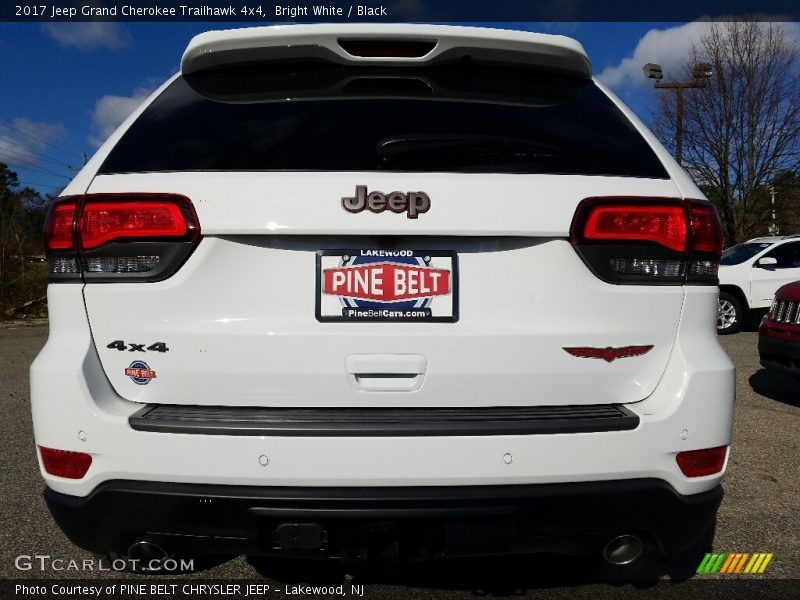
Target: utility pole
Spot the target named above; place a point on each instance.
(701, 74)
(773, 226)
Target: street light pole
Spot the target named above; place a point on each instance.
(701, 73)
(679, 86)
(773, 226)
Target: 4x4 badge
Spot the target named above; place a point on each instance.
(411, 203)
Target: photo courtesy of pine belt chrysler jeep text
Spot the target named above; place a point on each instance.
(348, 290)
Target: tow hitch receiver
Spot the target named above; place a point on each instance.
(299, 536)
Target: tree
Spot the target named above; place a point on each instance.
(743, 128)
(786, 188)
(21, 216)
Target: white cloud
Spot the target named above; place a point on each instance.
(89, 34)
(671, 48)
(110, 111)
(22, 141)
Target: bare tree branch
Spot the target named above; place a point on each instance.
(743, 129)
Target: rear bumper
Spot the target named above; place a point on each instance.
(779, 354)
(76, 409)
(404, 522)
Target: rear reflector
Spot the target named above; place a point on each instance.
(101, 222)
(58, 225)
(63, 463)
(698, 463)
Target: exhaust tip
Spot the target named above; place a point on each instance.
(623, 550)
(146, 551)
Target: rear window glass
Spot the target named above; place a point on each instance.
(323, 117)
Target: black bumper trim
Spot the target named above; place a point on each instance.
(329, 422)
(569, 518)
(779, 354)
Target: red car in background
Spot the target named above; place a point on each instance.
(779, 334)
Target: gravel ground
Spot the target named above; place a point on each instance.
(760, 512)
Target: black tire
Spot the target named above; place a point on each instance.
(730, 314)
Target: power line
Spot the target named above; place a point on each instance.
(40, 169)
(38, 184)
(16, 129)
(35, 154)
(71, 153)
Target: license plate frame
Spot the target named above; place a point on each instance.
(438, 308)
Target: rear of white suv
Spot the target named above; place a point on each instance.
(338, 289)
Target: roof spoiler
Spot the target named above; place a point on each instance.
(383, 44)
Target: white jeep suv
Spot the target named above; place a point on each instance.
(347, 290)
(751, 273)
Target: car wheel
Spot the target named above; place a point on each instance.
(730, 314)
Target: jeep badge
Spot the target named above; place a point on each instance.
(412, 203)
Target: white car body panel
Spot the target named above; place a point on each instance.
(756, 283)
(691, 408)
(765, 282)
(248, 334)
(215, 48)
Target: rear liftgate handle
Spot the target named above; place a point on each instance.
(386, 372)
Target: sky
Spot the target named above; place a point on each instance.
(64, 87)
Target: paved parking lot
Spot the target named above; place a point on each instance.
(760, 513)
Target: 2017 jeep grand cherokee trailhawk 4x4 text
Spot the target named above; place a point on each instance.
(336, 287)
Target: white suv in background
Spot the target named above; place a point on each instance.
(383, 290)
(749, 275)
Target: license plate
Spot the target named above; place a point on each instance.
(387, 285)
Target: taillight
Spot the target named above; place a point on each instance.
(64, 463)
(706, 242)
(706, 227)
(660, 224)
(103, 221)
(658, 241)
(698, 463)
(120, 237)
(59, 225)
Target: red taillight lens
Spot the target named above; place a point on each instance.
(706, 227)
(63, 463)
(119, 237)
(103, 221)
(58, 225)
(697, 463)
(661, 224)
(663, 241)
